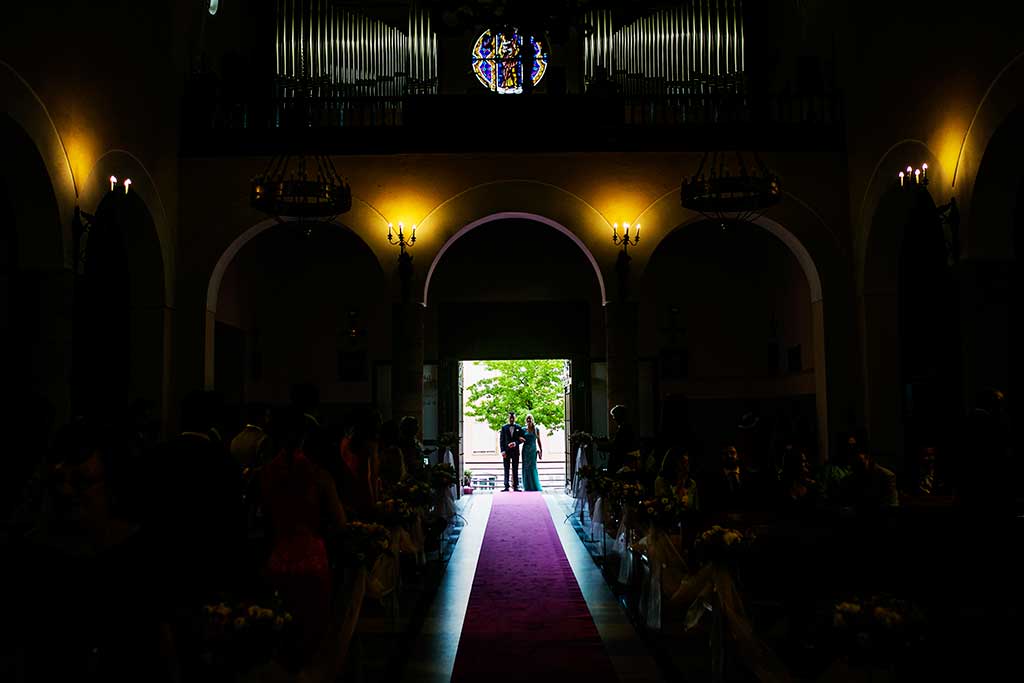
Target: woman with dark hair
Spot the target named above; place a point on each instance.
(798, 492)
(674, 479)
(358, 449)
(303, 508)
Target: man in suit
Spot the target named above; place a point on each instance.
(511, 437)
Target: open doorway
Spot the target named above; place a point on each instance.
(489, 390)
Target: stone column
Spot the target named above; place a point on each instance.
(621, 319)
(986, 296)
(40, 339)
(407, 360)
(621, 352)
(407, 348)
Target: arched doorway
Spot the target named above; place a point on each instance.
(35, 315)
(929, 331)
(912, 331)
(514, 286)
(118, 355)
(293, 308)
(734, 333)
(993, 284)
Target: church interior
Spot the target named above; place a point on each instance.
(768, 247)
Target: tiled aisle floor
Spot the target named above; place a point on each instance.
(438, 642)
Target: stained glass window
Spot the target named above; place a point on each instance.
(498, 60)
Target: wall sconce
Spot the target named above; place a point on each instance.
(919, 176)
(625, 240)
(82, 223)
(401, 241)
(948, 214)
(113, 183)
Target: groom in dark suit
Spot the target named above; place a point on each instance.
(511, 437)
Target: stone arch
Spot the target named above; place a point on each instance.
(660, 211)
(531, 200)
(894, 214)
(884, 178)
(27, 111)
(362, 214)
(36, 284)
(514, 214)
(1001, 99)
(993, 314)
(123, 164)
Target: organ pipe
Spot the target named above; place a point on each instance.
(692, 47)
(337, 46)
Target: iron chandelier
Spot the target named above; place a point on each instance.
(725, 194)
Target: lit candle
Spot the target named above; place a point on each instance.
(389, 231)
(638, 231)
(400, 226)
(625, 230)
(917, 175)
(615, 231)
(924, 170)
(113, 181)
(413, 232)
(127, 184)
(901, 178)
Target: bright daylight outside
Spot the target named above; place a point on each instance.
(493, 388)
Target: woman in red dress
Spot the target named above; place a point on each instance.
(303, 507)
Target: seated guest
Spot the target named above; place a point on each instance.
(728, 488)
(674, 479)
(798, 492)
(869, 487)
(925, 480)
(836, 468)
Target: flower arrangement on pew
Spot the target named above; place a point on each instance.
(244, 635)
(442, 476)
(415, 492)
(362, 543)
(663, 513)
(392, 512)
(722, 543)
(623, 499)
(876, 627)
(581, 438)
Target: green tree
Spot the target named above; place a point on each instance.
(524, 387)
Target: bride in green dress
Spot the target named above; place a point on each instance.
(532, 451)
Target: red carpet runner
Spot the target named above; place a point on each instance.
(526, 614)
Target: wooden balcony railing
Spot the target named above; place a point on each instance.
(359, 124)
